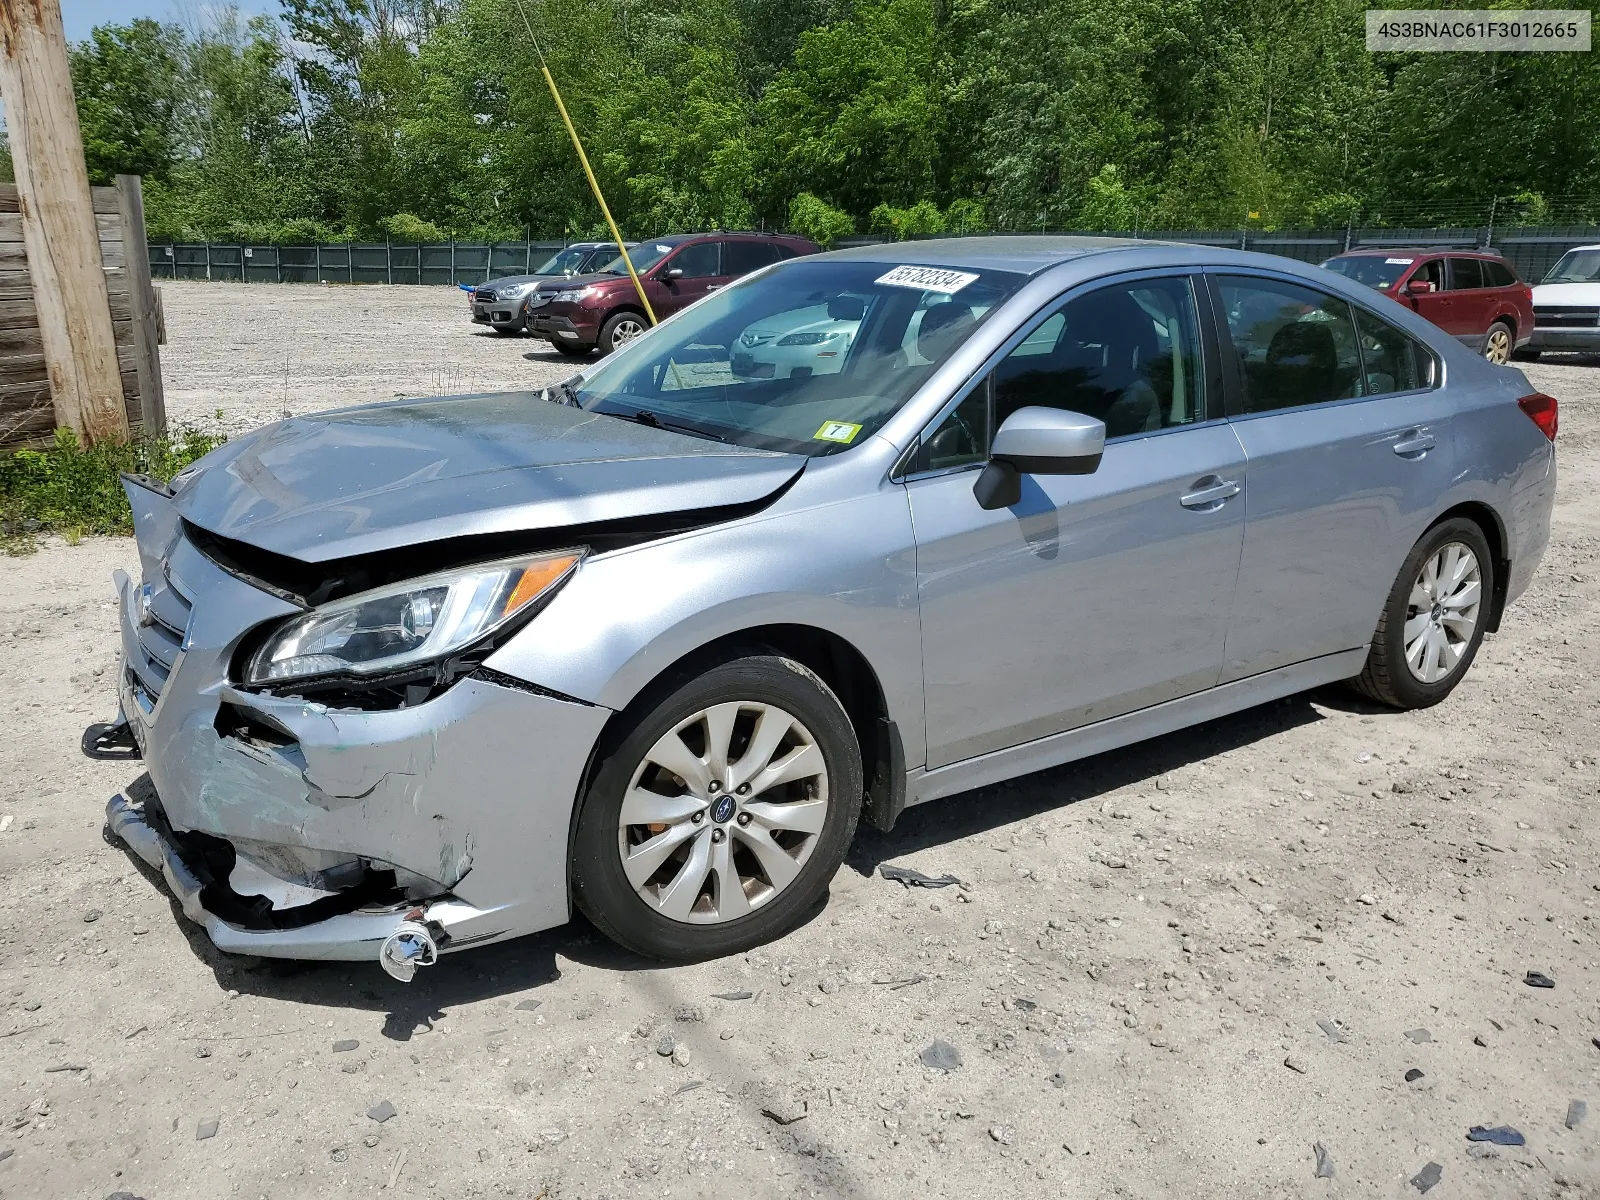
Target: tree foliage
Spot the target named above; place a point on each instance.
(404, 118)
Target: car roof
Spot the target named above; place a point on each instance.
(1420, 252)
(1025, 254)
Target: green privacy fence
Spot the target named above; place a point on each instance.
(1530, 250)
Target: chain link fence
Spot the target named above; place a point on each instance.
(1530, 250)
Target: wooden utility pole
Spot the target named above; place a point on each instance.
(58, 222)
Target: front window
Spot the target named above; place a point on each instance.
(566, 262)
(1576, 266)
(643, 256)
(1375, 272)
(810, 358)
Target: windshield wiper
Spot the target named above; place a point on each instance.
(643, 416)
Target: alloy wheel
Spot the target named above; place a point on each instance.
(625, 331)
(1442, 612)
(1498, 348)
(722, 812)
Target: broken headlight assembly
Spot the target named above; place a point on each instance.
(406, 627)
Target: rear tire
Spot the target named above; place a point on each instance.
(738, 865)
(1498, 343)
(1418, 653)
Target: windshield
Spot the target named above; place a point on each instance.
(645, 255)
(1380, 273)
(810, 358)
(1576, 266)
(567, 262)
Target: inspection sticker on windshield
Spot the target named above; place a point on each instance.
(928, 279)
(838, 431)
(1400, 262)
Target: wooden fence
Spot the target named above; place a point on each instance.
(27, 414)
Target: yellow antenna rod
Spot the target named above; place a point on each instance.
(594, 184)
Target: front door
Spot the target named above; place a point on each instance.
(1349, 448)
(700, 271)
(1097, 594)
(1432, 306)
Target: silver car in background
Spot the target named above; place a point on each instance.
(502, 304)
(424, 675)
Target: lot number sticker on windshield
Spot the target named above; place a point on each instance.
(837, 431)
(1400, 262)
(928, 279)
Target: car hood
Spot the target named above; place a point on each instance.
(358, 480)
(562, 283)
(508, 280)
(1566, 293)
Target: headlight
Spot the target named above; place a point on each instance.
(515, 291)
(408, 624)
(574, 295)
(806, 339)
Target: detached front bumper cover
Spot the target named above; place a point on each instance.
(350, 926)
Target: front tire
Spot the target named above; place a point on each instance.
(720, 811)
(571, 349)
(1498, 344)
(619, 330)
(1526, 355)
(1434, 619)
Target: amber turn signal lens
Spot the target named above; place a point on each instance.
(536, 578)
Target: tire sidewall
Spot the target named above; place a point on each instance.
(608, 330)
(1511, 339)
(599, 885)
(1407, 687)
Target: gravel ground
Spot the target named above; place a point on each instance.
(1174, 969)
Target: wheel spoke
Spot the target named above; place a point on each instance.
(771, 726)
(731, 900)
(1416, 649)
(1419, 597)
(1465, 594)
(719, 720)
(1461, 624)
(1449, 652)
(1430, 661)
(774, 859)
(678, 897)
(1415, 628)
(671, 754)
(644, 860)
(800, 763)
(641, 806)
(802, 816)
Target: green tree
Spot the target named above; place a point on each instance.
(129, 81)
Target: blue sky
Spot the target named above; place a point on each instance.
(80, 16)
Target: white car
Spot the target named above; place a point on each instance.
(802, 342)
(1566, 305)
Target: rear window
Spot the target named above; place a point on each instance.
(1381, 272)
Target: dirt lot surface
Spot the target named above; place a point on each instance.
(1174, 971)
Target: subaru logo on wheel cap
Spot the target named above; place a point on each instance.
(722, 809)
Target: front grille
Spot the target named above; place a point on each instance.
(160, 619)
(486, 296)
(1566, 316)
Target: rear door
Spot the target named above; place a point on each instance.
(1348, 448)
(1470, 302)
(739, 258)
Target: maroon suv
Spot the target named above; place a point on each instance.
(603, 309)
(1469, 293)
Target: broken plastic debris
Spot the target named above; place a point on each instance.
(1500, 1135)
(382, 1111)
(907, 877)
(1577, 1110)
(1335, 1034)
(527, 1005)
(347, 1044)
(1427, 1177)
(1419, 1035)
(1539, 980)
(206, 1129)
(732, 995)
(1324, 1162)
(1413, 1075)
(941, 1056)
(410, 946)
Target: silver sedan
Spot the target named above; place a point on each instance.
(419, 676)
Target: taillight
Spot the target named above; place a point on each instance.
(1542, 411)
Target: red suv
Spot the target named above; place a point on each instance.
(603, 309)
(1474, 295)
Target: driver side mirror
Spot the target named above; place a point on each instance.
(672, 274)
(1419, 287)
(1038, 441)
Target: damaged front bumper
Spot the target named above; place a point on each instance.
(290, 829)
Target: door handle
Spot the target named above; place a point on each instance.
(1209, 492)
(1414, 443)
(711, 287)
